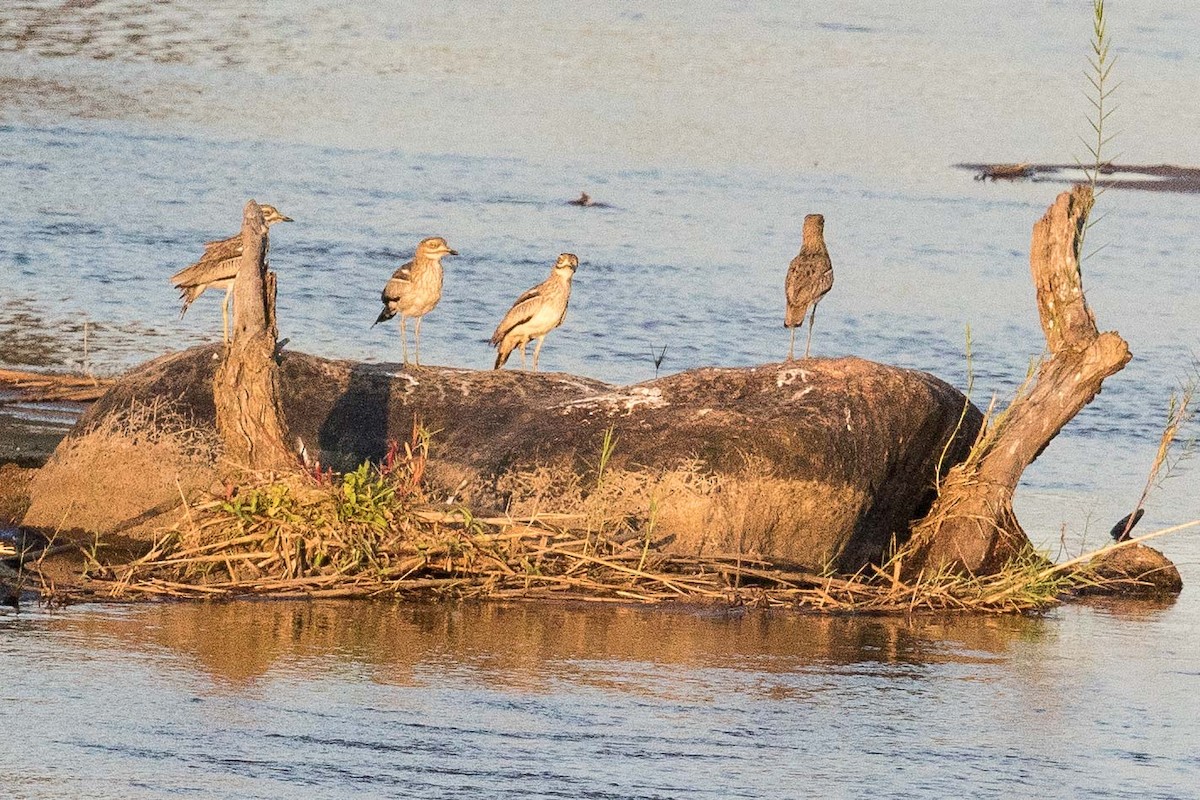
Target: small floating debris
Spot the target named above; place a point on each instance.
(585, 201)
(1005, 172)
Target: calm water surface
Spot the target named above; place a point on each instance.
(325, 699)
(131, 131)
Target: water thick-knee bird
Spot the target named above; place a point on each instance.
(536, 313)
(809, 278)
(218, 268)
(414, 289)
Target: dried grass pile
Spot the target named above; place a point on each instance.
(144, 457)
(371, 533)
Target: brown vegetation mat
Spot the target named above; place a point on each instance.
(369, 534)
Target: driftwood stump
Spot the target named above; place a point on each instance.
(246, 385)
(972, 526)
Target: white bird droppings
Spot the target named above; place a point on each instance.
(786, 377)
(623, 400)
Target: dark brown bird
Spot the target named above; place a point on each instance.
(809, 278)
(218, 268)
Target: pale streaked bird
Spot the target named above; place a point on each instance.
(809, 278)
(536, 313)
(414, 290)
(218, 269)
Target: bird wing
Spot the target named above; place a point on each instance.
(522, 311)
(563, 315)
(207, 271)
(1123, 529)
(224, 246)
(220, 260)
(809, 277)
(401, 279)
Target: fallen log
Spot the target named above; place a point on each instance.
(38, 387)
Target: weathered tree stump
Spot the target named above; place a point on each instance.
(972, 526)
(249, 415)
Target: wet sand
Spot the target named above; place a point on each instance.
(36, 412)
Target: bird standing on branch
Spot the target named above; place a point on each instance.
(414, 290)
(536, 313)
(809, 278)
(218, 268)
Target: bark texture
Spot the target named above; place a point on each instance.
(249, 415)
(972, 526)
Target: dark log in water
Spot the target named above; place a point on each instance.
(1144, 177)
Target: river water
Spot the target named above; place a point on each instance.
(254, 700)
(131, 131)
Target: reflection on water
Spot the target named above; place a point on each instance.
(307, 699)
(241, 642)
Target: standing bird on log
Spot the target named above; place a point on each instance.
(536, 313)
(414, 290)
(809, 278)
(218, 268)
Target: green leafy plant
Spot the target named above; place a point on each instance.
(366, 496)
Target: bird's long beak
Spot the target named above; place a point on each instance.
(286, 219)
(450, 252)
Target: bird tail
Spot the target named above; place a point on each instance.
(384, 316)
(1124, 529)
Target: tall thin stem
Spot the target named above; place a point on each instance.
(1100, 63)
